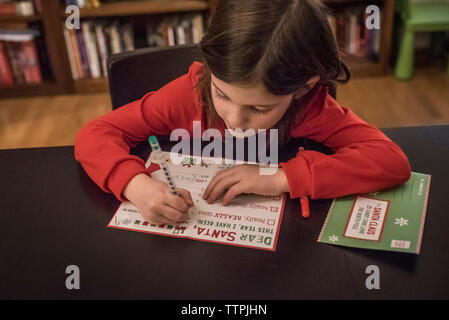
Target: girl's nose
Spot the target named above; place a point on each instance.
(236, 120)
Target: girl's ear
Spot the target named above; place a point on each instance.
(309, 86)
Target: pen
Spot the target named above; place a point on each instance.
(161, 161)
(304, 200)
(305, 207)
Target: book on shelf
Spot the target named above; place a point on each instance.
(114, 36)
(176, 30)
(90, 46)
(83, 52)
(6, 77)
(91, 50)
(353, 45)
(351, 34)
(22, 57)
(102, 46)
(19, 8)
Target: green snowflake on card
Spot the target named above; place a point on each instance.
(333, 238)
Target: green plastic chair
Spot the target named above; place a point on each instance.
(420, 16)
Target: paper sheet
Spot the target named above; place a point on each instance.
(391, 219)
(249, 220)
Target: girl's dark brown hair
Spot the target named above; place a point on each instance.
(282, 43)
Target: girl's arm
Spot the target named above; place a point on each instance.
(365, 160)
(103, 145)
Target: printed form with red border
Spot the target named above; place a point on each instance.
(249, 220)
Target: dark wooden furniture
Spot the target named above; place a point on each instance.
(53, 16)
(364, 66)
(53, 215)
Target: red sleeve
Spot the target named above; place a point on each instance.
(365, 160)
(102, 146)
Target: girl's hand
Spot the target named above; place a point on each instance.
(245, 179)
(155, 201)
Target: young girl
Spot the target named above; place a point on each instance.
(267, 64)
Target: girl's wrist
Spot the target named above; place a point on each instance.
(282, 181)
(134, 184)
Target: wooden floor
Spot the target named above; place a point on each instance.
(381, 101)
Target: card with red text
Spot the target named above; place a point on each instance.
(391, 220)
(249, 220)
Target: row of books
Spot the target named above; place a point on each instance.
(90, 46)
(19, 8)
(22, 57)
(352, 35)
(176, 30)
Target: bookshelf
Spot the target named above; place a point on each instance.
(364, 66)
(126, 9)
(52, 15)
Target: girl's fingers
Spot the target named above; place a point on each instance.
(173, 215)
(216, 179)
(210, 186)
(220, 187)
(186, 196)
(234, 191)
(177, 203)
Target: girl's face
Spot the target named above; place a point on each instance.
(251, 107)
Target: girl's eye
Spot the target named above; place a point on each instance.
(260, 111)
(219, 96)
(253, 109)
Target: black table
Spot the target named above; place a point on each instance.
(52, 215)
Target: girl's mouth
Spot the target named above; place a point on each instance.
(239, 133)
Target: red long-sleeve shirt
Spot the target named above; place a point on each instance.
(365, 159)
